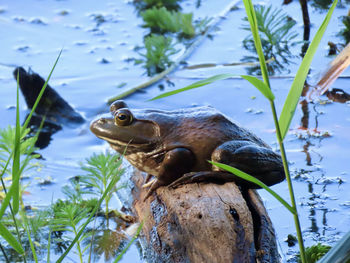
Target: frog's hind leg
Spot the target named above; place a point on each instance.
(257, 160)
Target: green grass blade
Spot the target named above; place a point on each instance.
(254, 180)
(261, 86)
(49, 246)
(197, 84)
(10, 239)
(41, 92)
(129, 244)
(7, 164)
(93, 212)
(6, 201)
(257, 42)
(26, 226)
(298, 83)
(16, 157)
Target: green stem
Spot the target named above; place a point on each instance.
(106, 214)
(13, 218)
(78, 244)
(290, 185)
(4, 253)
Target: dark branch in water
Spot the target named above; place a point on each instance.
(51, 104)
(306, 20)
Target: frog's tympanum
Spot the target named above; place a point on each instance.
(175, 146)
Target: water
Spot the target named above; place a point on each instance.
(94, 63)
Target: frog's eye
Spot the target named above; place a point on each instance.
(123, 117)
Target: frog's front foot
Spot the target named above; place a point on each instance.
(153, 185)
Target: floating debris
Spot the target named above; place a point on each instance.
(104, 61)
(63, 12)
(37, 21)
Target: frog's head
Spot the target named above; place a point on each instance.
(126, 131)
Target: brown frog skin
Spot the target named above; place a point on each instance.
(175, 146)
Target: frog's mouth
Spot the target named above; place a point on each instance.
(117, 143)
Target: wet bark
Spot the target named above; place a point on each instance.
(204, 223)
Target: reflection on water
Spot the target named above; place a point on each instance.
(338, 95)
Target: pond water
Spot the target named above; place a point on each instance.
(95, 61)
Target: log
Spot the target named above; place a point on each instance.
(203, 223)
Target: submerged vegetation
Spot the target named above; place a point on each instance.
(169, 27)
(163, 21)
(159, 49)
(277, 36)
(345, 32)
(168, 4)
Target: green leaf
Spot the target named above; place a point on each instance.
(254, 180)
(16, 156)
(299, 80)
(6, 201)
(197, 84)
(257, 42)
(10, 239)
(26, 227)
(261, 86)
(41, 93)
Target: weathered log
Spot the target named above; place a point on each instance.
(204, 223)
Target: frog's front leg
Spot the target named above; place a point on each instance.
(258, 161)
(176, 162)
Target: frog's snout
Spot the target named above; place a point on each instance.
(100, 121)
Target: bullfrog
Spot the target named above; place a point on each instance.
(175, 146)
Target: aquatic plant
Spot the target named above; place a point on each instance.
(101, 170)
(345, 32)
(160, 20)
(276, 35)
(69, 218)
(27, 149)
(168, 4)
(159, 49)
(321, 4)
(315, 252)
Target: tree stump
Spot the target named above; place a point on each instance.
(204, 223)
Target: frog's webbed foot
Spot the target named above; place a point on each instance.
(205, 177)
(145, 185)
(147, 178)
(154, 185)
